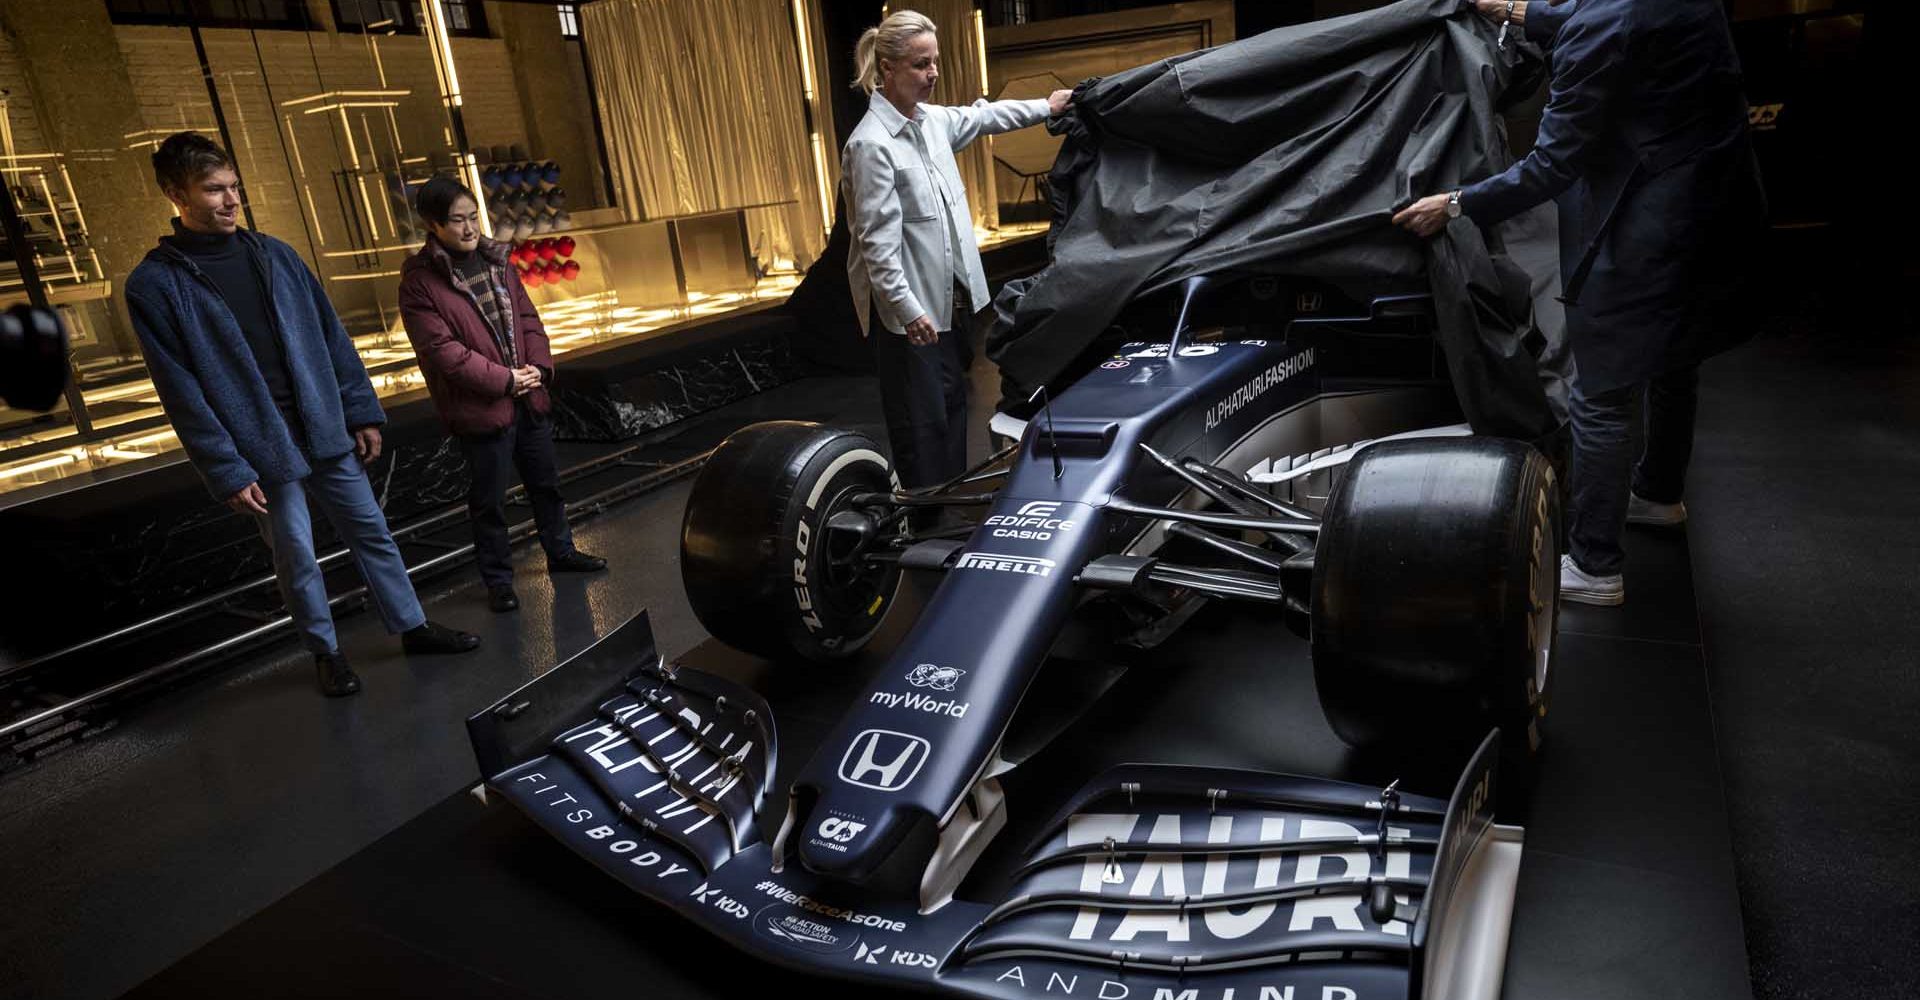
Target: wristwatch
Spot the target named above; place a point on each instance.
(1453, 205)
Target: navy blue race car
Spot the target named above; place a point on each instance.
(1298, 465)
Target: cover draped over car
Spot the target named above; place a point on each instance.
(1288, 153)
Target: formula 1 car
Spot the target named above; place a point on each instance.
(1287, 465)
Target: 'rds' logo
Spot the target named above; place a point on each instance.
(878, 955)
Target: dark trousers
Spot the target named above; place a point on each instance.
(923, 392)
(528, 446)
(1603, 464)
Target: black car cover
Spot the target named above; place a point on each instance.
(1288, 153)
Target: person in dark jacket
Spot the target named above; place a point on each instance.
(269, 399)
(1645, 149)
(485, 356)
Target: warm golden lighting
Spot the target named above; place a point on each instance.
(820, 178)
(339, 95)
(980, 48)
(1007, 233)
(442, 46)
(470, 166)
(572, 323)
(40, 464)
(806, 48)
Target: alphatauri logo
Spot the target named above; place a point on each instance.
(840, 830)
(883, 760)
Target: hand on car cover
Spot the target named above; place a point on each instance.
(1058, 101)
(1424, 217)
(1496, 10)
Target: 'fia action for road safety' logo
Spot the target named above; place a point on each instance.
(883, 760)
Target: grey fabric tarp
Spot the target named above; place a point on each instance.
(1288, 153)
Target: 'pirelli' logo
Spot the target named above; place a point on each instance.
(1030, 565)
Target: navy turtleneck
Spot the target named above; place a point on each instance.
(230, 264)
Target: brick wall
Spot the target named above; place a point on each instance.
(288, 157)
(290, 160)
(27, 137)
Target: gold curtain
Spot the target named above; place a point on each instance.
(825, 87)
(701, 104)
(961, 83)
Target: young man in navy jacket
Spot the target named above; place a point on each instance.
(270, 400)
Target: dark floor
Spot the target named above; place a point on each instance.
(119, 858)
(200, 808)
(1805, 495)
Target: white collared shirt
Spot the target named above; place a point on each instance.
(907, 208)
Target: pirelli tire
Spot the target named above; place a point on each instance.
(758, 563)
(1436, 590)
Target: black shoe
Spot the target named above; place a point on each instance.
(576, 562)
(337, 680)
(502, 599)
(430, 638)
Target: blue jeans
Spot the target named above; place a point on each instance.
(1604, 467)
(339, 486)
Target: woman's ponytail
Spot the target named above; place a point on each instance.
(866, 62)
(887, 41)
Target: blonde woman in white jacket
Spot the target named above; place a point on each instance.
(914, 266)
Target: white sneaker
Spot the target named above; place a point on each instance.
(1581, 587)
(1643, 511)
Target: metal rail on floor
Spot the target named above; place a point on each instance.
(655, 475)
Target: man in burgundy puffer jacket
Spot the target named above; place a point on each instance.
(484, 353)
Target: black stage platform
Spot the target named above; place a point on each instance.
(1626, 891)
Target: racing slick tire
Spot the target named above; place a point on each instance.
(1436, 591)
(762, 572)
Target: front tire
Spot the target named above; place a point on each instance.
(1435, 596)
(763, 572)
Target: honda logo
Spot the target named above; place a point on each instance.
(883, 759)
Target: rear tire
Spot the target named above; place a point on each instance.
(1435, 597)
(755, 554)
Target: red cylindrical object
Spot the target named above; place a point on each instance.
(534, 276)
(570, 270)
(546, 249)
(566, 246)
